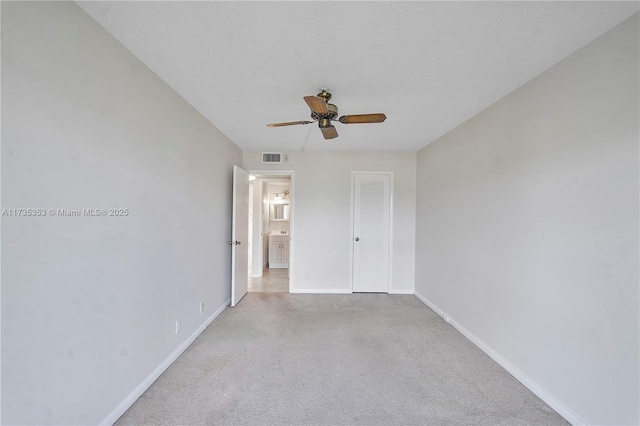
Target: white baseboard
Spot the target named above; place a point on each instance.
(320, 291)
(431, 306)
(552, 402)
(146, 383)
(338, 291)
(213, 316)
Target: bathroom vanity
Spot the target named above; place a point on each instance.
(278, 250)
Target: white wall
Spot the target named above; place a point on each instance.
(322, 215)
(89, 304)
(527, 230)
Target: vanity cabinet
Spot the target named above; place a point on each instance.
(278, 251)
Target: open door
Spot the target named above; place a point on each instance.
(239, 235)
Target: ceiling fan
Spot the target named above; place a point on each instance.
(324, 113)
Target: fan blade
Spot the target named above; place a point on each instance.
(317, 104)
(288, 123)
(362, 118)
(329, 132)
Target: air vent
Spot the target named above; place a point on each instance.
(272, 157)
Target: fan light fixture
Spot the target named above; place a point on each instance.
(324, 113)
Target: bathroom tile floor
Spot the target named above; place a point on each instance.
(272, 281)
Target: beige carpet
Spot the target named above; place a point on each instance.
(356, 359)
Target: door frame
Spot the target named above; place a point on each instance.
(292, 213)
(258, 225)
(391, 175)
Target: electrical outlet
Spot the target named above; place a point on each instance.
(178, 326)
(201, 307)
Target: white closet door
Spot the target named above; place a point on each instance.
(371, 237)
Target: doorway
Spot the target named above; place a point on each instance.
(271, 216)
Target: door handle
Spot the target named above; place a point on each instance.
(357, 239)
(238, 242)
(230, 243)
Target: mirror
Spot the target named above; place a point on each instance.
(279, 212)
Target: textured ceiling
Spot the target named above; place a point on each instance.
(428, 65)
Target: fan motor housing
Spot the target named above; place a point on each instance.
(325, 119)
